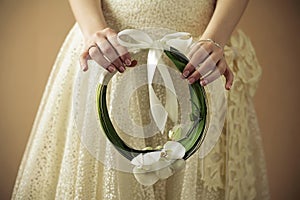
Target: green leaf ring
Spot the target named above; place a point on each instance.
(196, 132)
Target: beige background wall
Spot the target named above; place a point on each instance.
(33, 30)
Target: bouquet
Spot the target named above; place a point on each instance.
(172, 115)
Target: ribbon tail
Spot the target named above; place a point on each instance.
(137, 39)
(158, 111)
(171, 97)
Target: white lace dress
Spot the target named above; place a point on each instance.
(56, 165)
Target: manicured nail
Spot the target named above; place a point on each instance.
(203, 82)
(191, 80)
(111, 69)
(229, 87)
(128, 62)
(186, 73)
(122, 69)
(133, 63)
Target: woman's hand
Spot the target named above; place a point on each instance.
(104, 49)
(207, 63)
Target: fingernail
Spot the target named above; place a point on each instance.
(122, 69)
(133, 63)
(191, 80)
(128, 62)
(229, 86)
(203, 82)
(186, 73)
(111, 69)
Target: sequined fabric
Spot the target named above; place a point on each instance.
(56, 165)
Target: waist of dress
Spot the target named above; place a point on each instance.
(187, 16)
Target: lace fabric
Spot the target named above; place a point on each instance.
(57, 165)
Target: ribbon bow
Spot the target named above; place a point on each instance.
(180, 41)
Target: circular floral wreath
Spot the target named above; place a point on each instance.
(195, 135)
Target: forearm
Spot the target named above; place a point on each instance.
(224, 20)
(89, 15)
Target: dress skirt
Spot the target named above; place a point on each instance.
(58, 165)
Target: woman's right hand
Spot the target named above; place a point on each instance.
(104, 49)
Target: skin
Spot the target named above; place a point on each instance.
(207, 61)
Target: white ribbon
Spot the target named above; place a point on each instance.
(138, 39)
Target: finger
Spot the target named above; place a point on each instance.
(133, 63)
(222, 69)
(210, 62)
(97, 56)
(215, 74)
(204, 69)
(229, 78)
(198, 57)
(211, 77)
(121, 50)
(84, 57)
(193, 50)
(111, 55)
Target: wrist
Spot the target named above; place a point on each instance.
(89, 31)
(211, 41)
(218, 41)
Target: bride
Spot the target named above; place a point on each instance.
(58, 165)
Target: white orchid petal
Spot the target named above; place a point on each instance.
(144, 177)
(146, 159)
(138, 160)
(162, 163)
(151, 158)
(151, 167)
(164, 173)
(175, 150)
(178, 165)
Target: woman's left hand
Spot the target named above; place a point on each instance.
(207, 63)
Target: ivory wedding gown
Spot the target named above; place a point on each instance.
(57, 165)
